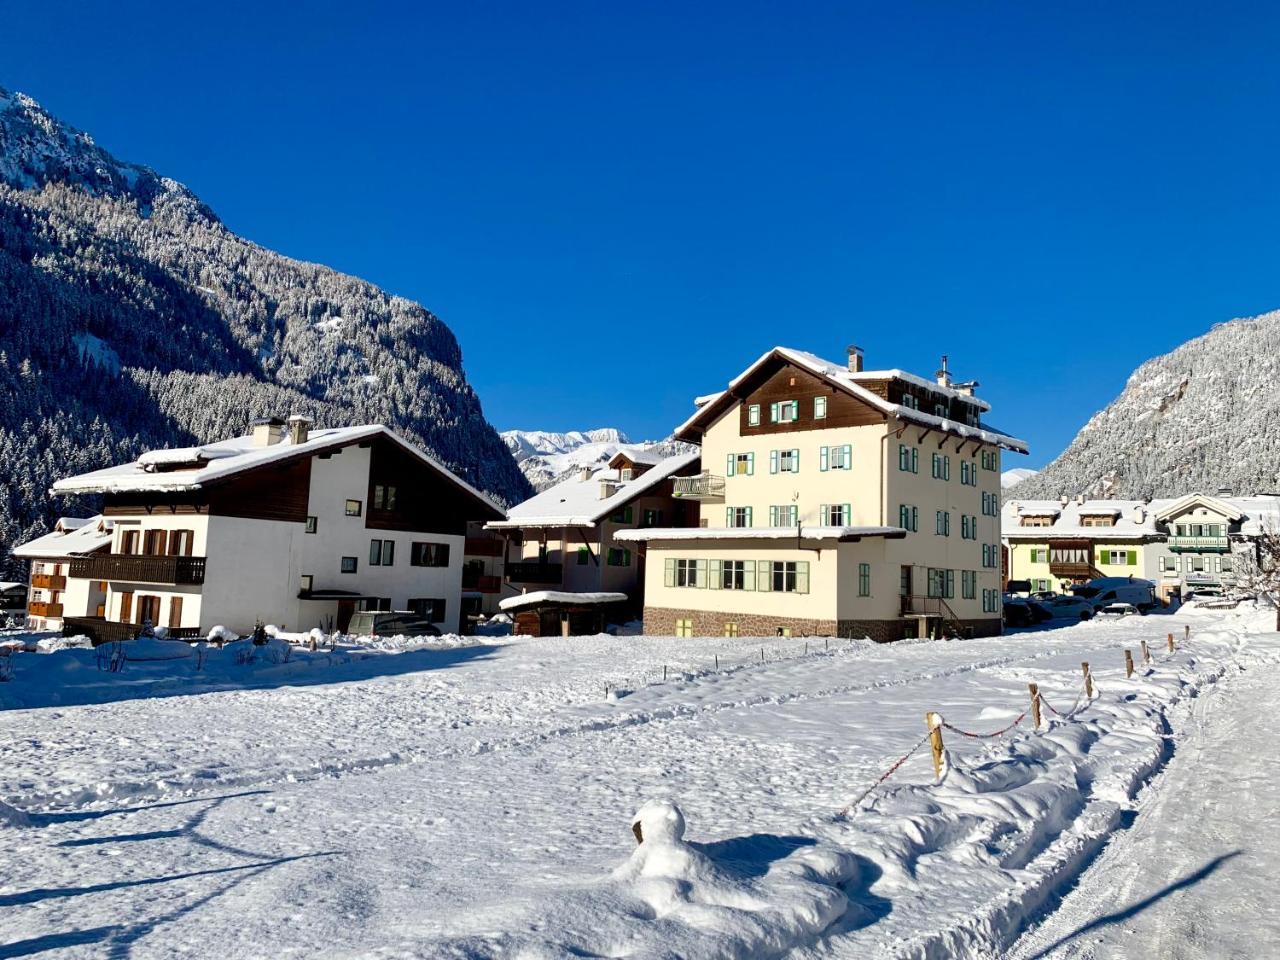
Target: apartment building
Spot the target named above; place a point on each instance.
(566, 538)
(852, 502)
(54, 592)
(286, 525)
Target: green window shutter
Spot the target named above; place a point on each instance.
(1133, 558)
(749, 522)
(773, 461)
(716, 580)
(764, 575)
(848, 514)
(802, 576)
(751, 464)
(848, 456)
(824, 518)
(728, 467)
(773, 516)
(728, 516)
(824, 455)
(795, 460)
(915, 460)
(669, 572)
(1102, 557)
(773, 413)
(700, 572)
(749, 575)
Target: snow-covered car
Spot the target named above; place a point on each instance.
(382, 624)
(1118, 609)
(1070, 608)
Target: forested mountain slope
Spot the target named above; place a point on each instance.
(130, 317)
(1202, 417)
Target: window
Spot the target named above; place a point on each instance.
(684, 628)
(431, 609)
(730, 629)
(969, 473)
(348, 564)
(584, 556)
(911, 401)
(375, 553)
(991, 508)
(737, 516)
(154, 543)
(908, 458)
(968, 584)
(149, 610)
(686, 573)
(836, 458)
(753, 415)
(353, 508)
(787, 515)
(384, 498)
(784, 632)
(909, 518)
(941, 467)
(382, 553)
(1039, 554)
(1197, 564)
(429, 555)
(175, 612)
(784, 461)
(741, 464)
(940, 410)
(625, 515)
(785, 576)
(968, 527)
(126, 606)
(942, 523)
(375, 604)
(991, 555)
(626, 473)
(864, 579)
(311, 525)
(1120, 558)
(651, 518)
(942, 583)
(836, 515)
(181, 542)
(819, 408)
(785, 411)
(1225, 565)
(733, 575)
(990, 459)
(990, 601)
(306, 581)
(618, 557)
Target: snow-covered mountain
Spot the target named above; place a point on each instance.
(1202, 417)
(1015, 476)
(546, 458)
(130, 318)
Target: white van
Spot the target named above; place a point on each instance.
(1108, 590)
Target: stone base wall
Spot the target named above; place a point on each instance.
(661, 621)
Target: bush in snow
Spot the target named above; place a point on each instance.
(221, 635)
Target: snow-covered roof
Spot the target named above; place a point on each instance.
(842, 377)
(896, 374)
(193, 468)
(1220, 506)
(539, 597)
(71, 537)
(649, 456)
(759, 533)
(1067, 519)
(576, 502)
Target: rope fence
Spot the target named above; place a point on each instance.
(936, 723)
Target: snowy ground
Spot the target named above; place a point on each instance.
(476, 800)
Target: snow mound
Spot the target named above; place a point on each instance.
(12, 817)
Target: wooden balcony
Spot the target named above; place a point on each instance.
(534, 572)
(139, 569)
(1073, 570)
(40, 608)
(48, 581)
(483, 547)
(99, 630)
(705, 487)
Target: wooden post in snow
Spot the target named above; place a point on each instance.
(1128, 663)
(1186, 633)
(1171, 643)
(1088, 681)
(1035, 704)
(934, 722)
(1146, 652)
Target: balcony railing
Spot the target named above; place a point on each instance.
(1202, 544)
(704, 486)
(534, 572)
(139, 569)
(1073, 569)
(99, 630)
(39, 608)
(481, 582)
(48, 581)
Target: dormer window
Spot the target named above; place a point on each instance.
(1037, 521)
(627, 473)
(1097, 521)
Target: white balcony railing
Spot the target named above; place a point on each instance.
(704, 486)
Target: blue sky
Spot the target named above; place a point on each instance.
(618, 206)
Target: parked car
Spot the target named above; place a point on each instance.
(1070, 608)
(1104, 590)
(1043, 595)
(1118, 609)
(1017, 613)
(384, 624)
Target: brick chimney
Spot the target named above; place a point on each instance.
(855, 358)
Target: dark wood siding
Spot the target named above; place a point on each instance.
(789, 382)
(140, 504)
(277, 491)
(426, 500)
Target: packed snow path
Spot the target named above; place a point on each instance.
(1195, 874)
(474, 801)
